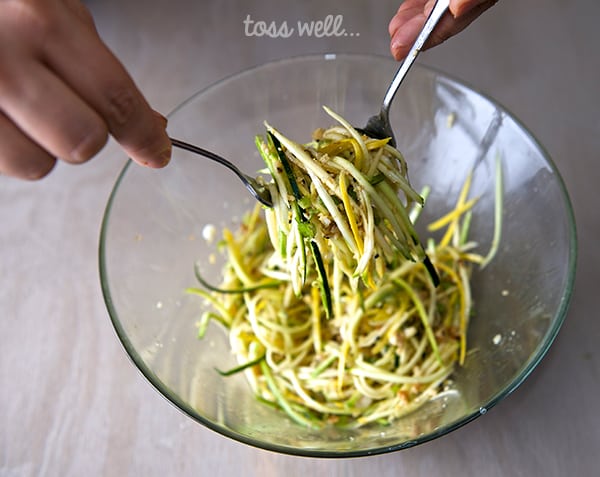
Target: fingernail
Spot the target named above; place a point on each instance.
(398, 44)
(165, 156)
(395, 52)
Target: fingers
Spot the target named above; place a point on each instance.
(19, 156)
(405, 27)
(105, 84)
(451, 24)
(62, 92)
(461, 7)
(46, 110)
(412, 15)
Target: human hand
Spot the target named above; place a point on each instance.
(62, 92)
(412, 14)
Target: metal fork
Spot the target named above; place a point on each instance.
(379, 126)
(259, 191)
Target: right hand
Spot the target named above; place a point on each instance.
(412, 14)
(62, 92)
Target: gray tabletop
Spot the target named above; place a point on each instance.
(72, 404)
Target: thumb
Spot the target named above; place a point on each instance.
(155, 151)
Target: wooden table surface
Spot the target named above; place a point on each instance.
(72, 404)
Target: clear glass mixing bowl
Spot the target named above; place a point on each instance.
(152, 236)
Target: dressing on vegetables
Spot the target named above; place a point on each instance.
(335, 311)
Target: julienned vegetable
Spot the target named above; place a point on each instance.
(328, 298)
(343, 196)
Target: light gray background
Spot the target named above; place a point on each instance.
(71, 403)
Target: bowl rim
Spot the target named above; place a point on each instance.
(519, 378)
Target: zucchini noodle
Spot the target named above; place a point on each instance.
(328, 297)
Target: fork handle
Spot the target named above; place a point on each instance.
(260, 193)
(440, 7)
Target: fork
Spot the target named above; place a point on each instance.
(379, 126)
(258, 190)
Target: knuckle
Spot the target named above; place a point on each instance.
(123, 104)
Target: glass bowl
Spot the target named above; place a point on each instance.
(152, 236)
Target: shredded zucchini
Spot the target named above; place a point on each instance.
(328, 297)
